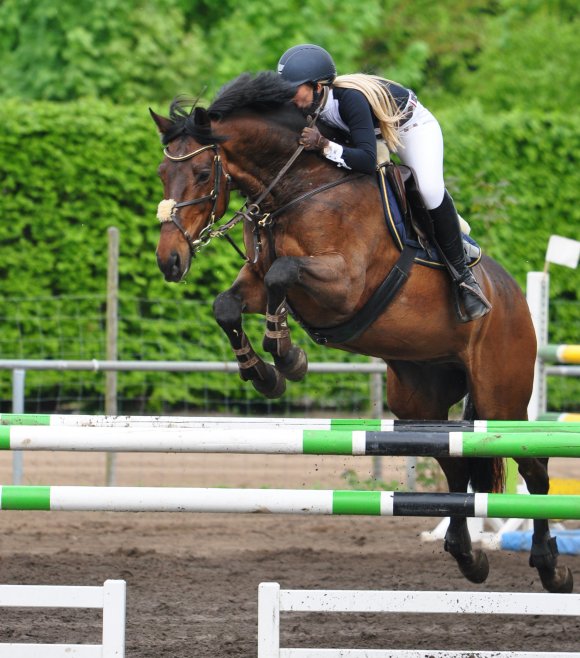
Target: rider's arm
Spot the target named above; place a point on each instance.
(356, 113)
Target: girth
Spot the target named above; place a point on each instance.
(377, 303)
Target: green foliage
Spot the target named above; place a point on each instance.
(123, 51)
(528, 62)
(425, 44)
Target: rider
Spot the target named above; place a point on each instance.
(381, 112)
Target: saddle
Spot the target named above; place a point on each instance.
(408, 219)
(410, 202)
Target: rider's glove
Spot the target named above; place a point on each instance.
(312, 140)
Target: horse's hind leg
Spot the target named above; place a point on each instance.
(290, 360)
(423, 391)
(228, 307)
(472, 563)
(544, 554)
(507, 399)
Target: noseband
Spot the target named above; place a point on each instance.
(167, 210)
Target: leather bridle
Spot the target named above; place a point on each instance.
(167, 211)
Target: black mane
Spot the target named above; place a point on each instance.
(265, 92)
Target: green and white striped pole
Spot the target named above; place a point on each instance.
(225, 422)
(291, 441)
(281, 501)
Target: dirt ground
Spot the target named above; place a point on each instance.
(192, 579)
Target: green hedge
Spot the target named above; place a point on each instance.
(69, 171)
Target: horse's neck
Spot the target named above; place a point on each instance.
(255, 154)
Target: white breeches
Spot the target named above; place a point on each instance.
(422, 150)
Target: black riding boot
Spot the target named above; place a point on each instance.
(448, 236)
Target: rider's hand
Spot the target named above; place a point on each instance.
(312, 140)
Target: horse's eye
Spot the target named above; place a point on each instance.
(203, 177)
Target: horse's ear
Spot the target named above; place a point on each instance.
(201, 117)
(162, 123)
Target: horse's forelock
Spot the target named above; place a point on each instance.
(188, 120)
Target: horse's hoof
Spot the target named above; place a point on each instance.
(294, 366)
(558, 581)
(476, 570)
(273, 387)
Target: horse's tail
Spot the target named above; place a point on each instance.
(485, 474)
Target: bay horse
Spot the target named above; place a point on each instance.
(317, 246)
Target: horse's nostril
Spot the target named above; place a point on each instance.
(171, 266)
(173, 269)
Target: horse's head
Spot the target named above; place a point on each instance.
(252, 129)
(195, 185)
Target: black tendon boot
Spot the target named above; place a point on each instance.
(450, 242)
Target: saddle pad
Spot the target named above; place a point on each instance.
(426, 255)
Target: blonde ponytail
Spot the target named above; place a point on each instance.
(381, 101)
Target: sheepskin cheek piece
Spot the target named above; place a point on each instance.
(165, 210)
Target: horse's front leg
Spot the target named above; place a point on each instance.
(544, 554)
(247, 295)
(290, 360)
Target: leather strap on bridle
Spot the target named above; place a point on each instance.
(195, 245)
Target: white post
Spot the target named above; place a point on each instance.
(114, 595)
(112, 336)
(538, 294)
(377, 408)
(18, 379)
(269, 620)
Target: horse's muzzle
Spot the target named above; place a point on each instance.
(173, 267)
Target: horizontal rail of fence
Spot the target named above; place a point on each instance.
(272, 601)
(97, 365)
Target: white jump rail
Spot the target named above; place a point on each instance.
(272, 601)
(110, 598)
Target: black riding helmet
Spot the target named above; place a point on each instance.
(307, 63)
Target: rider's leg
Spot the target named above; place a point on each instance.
(422, 150)
(448, 236)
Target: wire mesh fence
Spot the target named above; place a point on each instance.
(73, 328)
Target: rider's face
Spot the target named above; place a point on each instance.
(304, 96)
